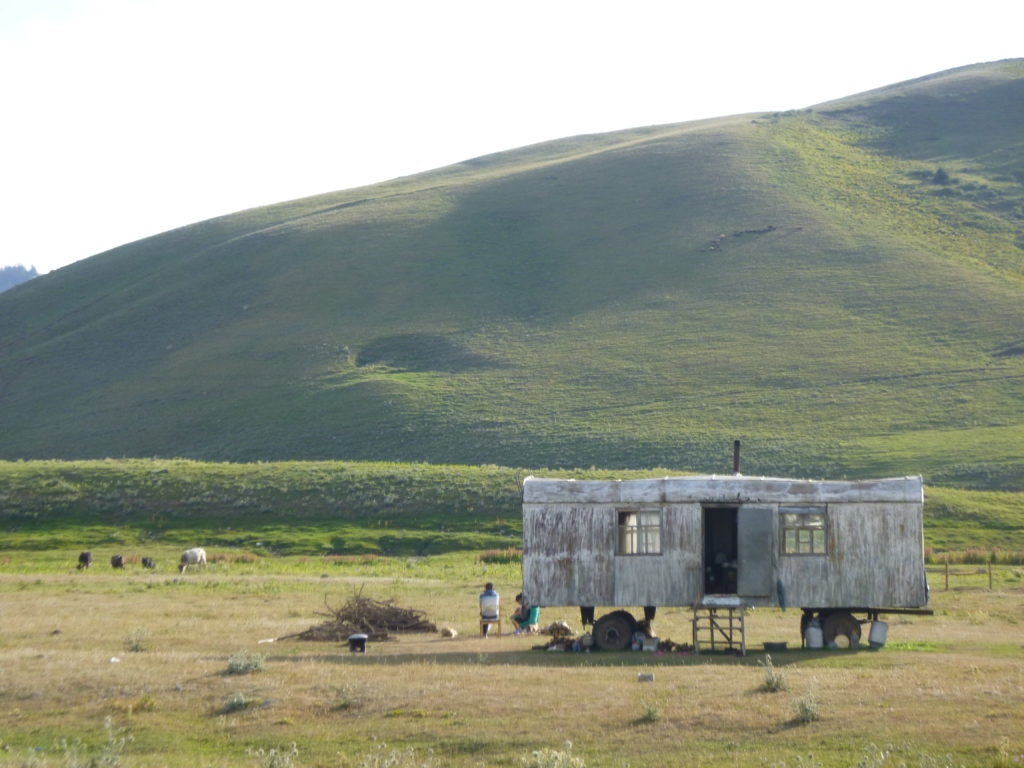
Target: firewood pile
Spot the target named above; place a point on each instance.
(364, 615)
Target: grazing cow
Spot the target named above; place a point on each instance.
(194, 556)
(84, 560)
(117, 561)
(148, 562)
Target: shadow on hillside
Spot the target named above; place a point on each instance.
(422, 352)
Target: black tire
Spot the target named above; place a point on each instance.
(614, 631)
(843, 626)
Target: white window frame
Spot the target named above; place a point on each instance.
(638, 531)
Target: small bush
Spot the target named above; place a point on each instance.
(393, 758)
(508, 556)
(806, 709)
(892, 756)
(773, 680)
(275, 758)
(553, 758)
(243, 663)
(144, 703)
(236, 703)
(348, 698)
(135, 642)
(77, 754)
(651, 713)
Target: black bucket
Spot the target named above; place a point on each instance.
(357, 643)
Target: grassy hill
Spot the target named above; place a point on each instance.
(352, 509)
(842, 288)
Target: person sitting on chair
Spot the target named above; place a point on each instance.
(525, 616)
(488, 608)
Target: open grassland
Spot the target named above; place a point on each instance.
(149, 668)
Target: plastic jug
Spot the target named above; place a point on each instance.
(814, 635)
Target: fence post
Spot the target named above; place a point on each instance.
(947, 573)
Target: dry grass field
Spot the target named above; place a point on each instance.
(138, 668)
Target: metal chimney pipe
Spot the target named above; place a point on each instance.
(735, 457)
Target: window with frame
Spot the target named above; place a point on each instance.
(639, 532)
(803, 530)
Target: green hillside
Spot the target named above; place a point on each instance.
(842, 288)
(355, 508)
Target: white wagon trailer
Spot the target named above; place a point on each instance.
(724, 543)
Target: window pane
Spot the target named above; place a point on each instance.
(818, 544)
(652, 540)
(639, 532)
(803, 530)
(789, 540)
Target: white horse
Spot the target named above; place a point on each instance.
(194, 556)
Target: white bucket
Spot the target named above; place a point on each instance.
(878, 633)
(814, 636)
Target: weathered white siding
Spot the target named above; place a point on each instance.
(720, 489)
(874, 532)
(670, 578)
(568, 555)
(875, 558)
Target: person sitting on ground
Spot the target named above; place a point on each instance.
(488, 608)
(525, 617)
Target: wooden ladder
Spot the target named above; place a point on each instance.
(719, 627)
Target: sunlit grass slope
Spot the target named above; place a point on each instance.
(351, 509)
(842, 288)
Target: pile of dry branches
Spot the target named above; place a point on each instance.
(373, 618)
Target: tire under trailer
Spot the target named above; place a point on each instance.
(614, 631)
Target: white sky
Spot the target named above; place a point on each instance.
(125, 118)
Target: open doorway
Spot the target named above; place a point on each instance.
(721, 552)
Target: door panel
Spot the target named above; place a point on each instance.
(756, 551)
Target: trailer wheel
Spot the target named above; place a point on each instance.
(614, 631)
(841, 629)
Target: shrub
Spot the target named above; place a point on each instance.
(135, 642)
(507, 556)
(806, 709)
(553, 758)
(236, 703)
(76, 755)
(275, 758)
(773, 680)
(243, 663)
(651, 713)
(393, 758)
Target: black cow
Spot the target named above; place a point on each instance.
(148, 562)
(84, 560)
(117, 561)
